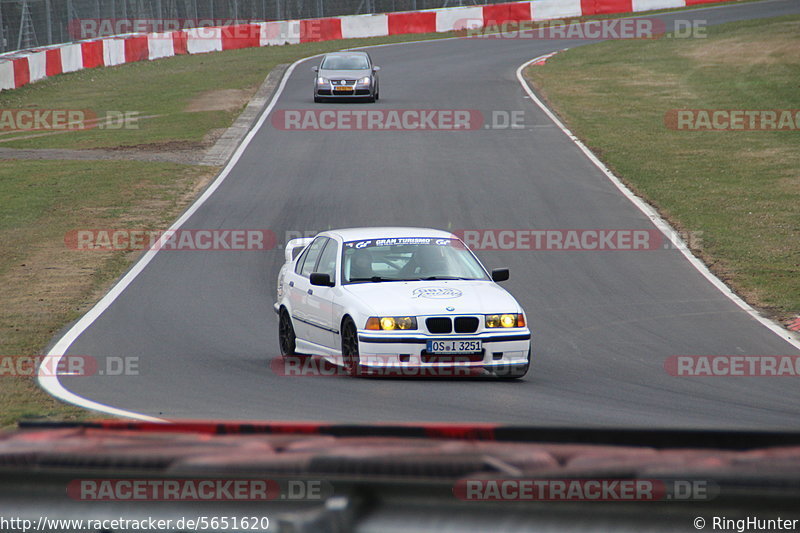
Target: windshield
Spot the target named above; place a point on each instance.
(354, 62)
(408, 259)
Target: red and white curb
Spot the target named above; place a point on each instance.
(21, 68)
(541, 60)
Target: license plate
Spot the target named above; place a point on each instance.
(343, 88)
(454, 346)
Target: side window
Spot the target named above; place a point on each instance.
(306, 264)
(327, 261)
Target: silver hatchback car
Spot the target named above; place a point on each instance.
(346, 75)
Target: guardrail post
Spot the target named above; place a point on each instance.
(2, 32)
(49, 17)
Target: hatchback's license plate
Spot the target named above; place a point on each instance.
(454, 346)
(343, 88)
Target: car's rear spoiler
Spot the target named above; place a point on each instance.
(292, 245)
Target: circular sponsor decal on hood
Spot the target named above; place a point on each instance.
(436, 293)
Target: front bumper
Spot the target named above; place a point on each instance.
(381, 350)
(328, 92)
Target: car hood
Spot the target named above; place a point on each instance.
(422, 298)
(349, 74)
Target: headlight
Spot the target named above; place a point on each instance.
(322, 81)
(509, 320)
(390, 323)
(364, 81)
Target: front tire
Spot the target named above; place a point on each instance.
(286, 337)
(350, 356)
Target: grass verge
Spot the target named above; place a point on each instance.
(43, 283)
(740, 190)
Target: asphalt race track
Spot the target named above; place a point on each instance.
(203, 328)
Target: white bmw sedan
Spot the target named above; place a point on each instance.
(378, 299)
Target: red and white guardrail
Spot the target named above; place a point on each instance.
(23, 67)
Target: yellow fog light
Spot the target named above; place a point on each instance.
(508, 321)
(406, 322)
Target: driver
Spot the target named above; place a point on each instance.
(361, 264)
(427, 261)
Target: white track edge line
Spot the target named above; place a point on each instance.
(50, 383)
(656, 218)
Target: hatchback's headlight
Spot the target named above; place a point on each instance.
(509, 320)
(391, 323)
(364, 81)
(322, 81)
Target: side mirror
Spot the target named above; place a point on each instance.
(321, 280)
(376, 68)
(315, 68)
(500, 274)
